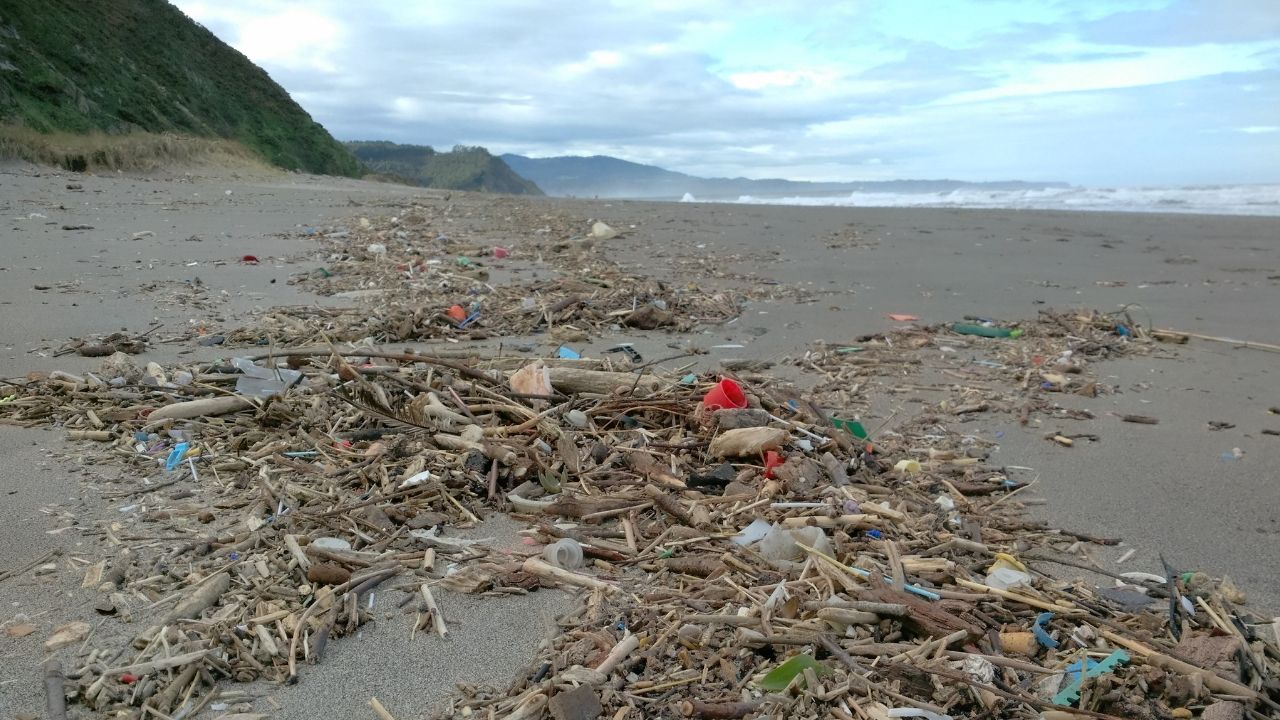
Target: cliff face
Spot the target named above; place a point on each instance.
(463, 168)
(81, 66)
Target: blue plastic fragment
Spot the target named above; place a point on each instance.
(875, 534)
(1042, 635)
(470, 319)
(175, 457)
(1073, 670)
(567, 353)
(689, 379)
(913, 589)
(1123, 331)
(1071, 693)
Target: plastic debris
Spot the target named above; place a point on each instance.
(780, 678)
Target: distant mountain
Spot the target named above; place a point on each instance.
(114, 66)
(603, 176)
(463, 168)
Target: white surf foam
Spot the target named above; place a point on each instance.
(1217, 199)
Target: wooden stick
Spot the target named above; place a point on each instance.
(436, 618)
(534, 566)
(204, 407)
(668, 504)
(55, 695)
(717, 711)
(379, 710)
(1016, 597)
(98, 435)
(1214, 338)
(291, 542)
(530, 708)
(844, 616)
(151, 666)
(625, 647)
(191, 607)
(855, 522)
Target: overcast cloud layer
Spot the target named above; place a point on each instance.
(1099, 93)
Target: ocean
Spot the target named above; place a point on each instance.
(1210, 199)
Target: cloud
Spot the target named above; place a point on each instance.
(912, 88)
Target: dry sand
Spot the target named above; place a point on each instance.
(1164, 488)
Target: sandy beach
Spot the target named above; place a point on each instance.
(85, 255)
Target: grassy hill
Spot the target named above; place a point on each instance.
(116, 66)
(463, 168)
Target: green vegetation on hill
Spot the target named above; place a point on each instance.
(121, 66)
(463, 168)
(134, 151)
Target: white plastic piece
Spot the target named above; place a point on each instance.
(564, 553)
(915, 712)
(780, 547)
(330, 543)
(258, 381)
(416, 480)
(754, 532)
(1007, 578)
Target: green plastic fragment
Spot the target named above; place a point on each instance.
(986, 331)
(849, 349)
(550, 481)
(780, 677)
(853, 427)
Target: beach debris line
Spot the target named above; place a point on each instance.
(763, 560)
(407, 280)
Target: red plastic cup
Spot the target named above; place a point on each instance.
(726, 394)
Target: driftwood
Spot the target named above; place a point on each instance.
(570, 380)
(537, 567)
(191, 606)
(204, 407)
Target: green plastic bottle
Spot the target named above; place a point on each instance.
(985, 331)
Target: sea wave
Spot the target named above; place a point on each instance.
(1214, 200)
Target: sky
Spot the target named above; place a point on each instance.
(1130, 92)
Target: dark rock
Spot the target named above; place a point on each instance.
(1225, 710)
(427, 519)
(581, 703)
(648, 317)
(328, 574)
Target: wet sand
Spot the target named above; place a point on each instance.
(1165, 489)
